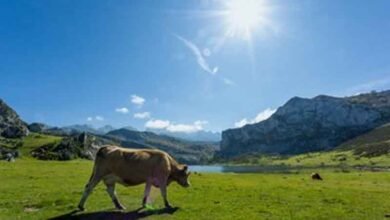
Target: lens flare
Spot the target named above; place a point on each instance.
(243, 16)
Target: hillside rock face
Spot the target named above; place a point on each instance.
(303, 125)
(11, 126)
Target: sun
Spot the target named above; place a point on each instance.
(243, 17)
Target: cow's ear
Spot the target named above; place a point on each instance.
(185, 168)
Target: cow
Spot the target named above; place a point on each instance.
(131, 167)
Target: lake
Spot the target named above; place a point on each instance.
(272, 169)
(237, 169)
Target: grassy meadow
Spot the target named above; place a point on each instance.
(325, 159)
(32, 189)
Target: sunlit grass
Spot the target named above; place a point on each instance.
(32, 189)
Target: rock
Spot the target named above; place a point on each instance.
(304, 125)
(72, 147)
(316, 176)
(8, 154)
(11, 126)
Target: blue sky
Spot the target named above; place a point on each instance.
(175, 65)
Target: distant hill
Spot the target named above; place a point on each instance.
(305, 125)
(105, 129)
(87, 128)
(185, 151)
(207, 136)
(11, 126)
(129, 128)
(373, 143)
(70, 129)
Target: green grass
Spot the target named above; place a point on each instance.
(32, 189)
(30, 142)
(335, 158)
(332, 158)
(34, 140)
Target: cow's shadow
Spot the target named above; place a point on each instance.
(114, 214)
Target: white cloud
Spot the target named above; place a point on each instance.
(157, 124)
(228, 82)
(99, 118)
(96, 118)
(241, 123)
(142, 115)
(123, 110)
(259, 117)
(264, 115)
(198, 55)
(187, 128)
(174, 127)
(137, 100)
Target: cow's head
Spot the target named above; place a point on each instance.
(181, 175)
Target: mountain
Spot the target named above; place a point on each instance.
(79, 129)
(304, 125)
(71, 129)
(130, 128)
(370, 144)
(184, 151)
(206, 136)
(105, 129)
(11, 126)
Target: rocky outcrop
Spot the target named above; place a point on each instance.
(304, 125)
(11, 126)
(71, 147)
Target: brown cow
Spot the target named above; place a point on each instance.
(131, 167)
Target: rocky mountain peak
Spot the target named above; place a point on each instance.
(11, 126)
(304, 124)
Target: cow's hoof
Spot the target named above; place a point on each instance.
(80, 208)
(168, 206)
(120, 207)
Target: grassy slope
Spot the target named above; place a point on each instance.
(332, 158)
(30, 142)
(373, 145)
(32, 189)
(33, 141)
(370, 149)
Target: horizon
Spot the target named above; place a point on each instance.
(185, 66)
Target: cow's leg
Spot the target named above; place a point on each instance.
(94, 180)
(112, 193)
(148, 186)
(163, 189)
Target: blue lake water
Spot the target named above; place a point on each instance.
(236, 169)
